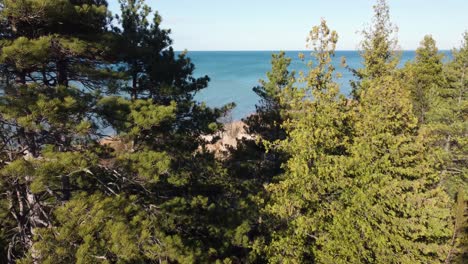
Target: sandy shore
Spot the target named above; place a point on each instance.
(228, 137)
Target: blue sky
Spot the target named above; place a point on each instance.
(283, 25)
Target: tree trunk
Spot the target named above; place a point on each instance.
(62, 76)
(134, 91)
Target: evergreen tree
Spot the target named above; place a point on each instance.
(301, 202)
(168, 198)
(194, 191)
(251, 158)
(325, 179)
(449, 125)
(267, 119)
(377, 49)
(53, 64)
(250, 163)
(425, 77)
(449, 118)
(459, 243)
(393, 210)
(362, 193)
(437, 95)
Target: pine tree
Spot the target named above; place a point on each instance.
(449, 118)
(437, 95)
(459, 243)
(449, 125)
(53, 63)
(194, 192)
(393, 210)
(250, 157)
(163, 193)
(301, 202)
(367, 192)
(251, 164)
(425, 77)
(377, 49)
(156, 73)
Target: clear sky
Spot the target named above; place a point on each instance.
(284, 24)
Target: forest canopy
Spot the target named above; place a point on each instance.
(105, 153)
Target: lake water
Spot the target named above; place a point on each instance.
(234, 73)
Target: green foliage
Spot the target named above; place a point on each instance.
(450, 118)
(252, 165)
(323, 179)
(95, 229)
(101, 229)
(179, 196)
(146, 115)
(53, 63)
(250, 157)
(267, 119)
(426, 78)
(459, 244)
(316, 123)
(377, 49)
(362, 182)
(392, 202)
(146, 164)
(440, 103)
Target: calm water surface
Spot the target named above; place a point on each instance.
(234, 73)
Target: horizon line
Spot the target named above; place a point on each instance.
(285, 50)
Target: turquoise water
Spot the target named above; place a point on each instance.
(234, 73)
